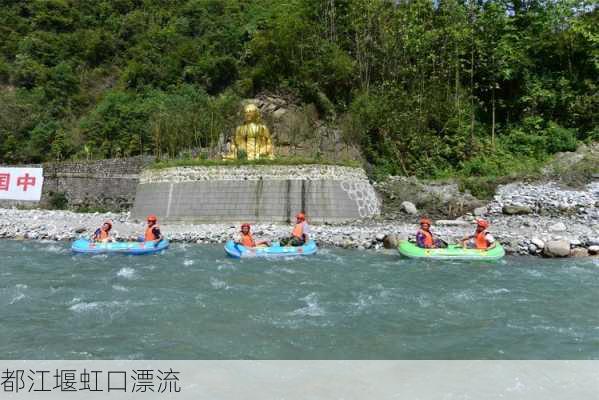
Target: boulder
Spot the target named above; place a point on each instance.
(557, 248)
(579, 252)
(380, 237)
(80, 230)
(593, 242)
(532, 249)
(575, 243)
(557, 227)
(538, 243)
(516, 210)
(593, 250)
(479, 211)
(278, 114)
(409, 208)
(390, 242)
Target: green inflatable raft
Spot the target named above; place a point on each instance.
(452, 252)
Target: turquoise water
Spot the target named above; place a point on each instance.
(195, 303)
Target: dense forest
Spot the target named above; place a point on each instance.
(422, 87)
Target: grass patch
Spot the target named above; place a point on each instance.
(194, 162)
(482, 175)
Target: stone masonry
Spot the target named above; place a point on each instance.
(103, 184)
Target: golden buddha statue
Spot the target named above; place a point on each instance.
(252, 138)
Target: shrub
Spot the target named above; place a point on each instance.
(57, 201)
(560, 139)
(517, 141)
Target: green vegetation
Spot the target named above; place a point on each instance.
(236, 163)
(57, 201)
(431, 88)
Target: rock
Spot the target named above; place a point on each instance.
(479, 211)
(278, 114)
(579, 252)
(80, 230)
(575, 243)
(452, 222)
(516, 210)
(380, 237)
(557, 248)
(532, 249)
(558, 227)
(538, 243)
(593, 250)
(409, 208)
(390, 242)
(593, 242)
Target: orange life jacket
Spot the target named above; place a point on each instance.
(149, 236)
(480, 239)
(298, 231)
(428, 238)
(248, 240)
(103, 235)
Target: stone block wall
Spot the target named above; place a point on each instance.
(256, 194)
(103, 184)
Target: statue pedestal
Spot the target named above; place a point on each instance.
(263, 193)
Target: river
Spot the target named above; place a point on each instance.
(195, 303)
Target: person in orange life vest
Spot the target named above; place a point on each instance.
(246, 239)
(424, 236)
(300, 234)
(102, 234)
(481, 239)
(152, 233)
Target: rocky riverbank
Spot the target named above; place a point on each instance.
(525, 219)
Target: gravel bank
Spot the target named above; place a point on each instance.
(514, 232)
(525, 218)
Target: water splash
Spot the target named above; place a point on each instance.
(17, 298)
(83, 307)
(218, 284)
(312, 308)
(126, 272)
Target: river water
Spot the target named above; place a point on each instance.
(195, 303)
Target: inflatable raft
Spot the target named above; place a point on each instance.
(133, 248)
(452, 252)
(239, 251)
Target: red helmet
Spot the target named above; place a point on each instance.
(301, 216)
(245, 226)
(152, 218)
(482, 223)
(425, 221)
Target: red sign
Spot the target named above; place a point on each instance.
(4, 182)
(21, 183)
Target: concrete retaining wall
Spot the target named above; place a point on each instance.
(255, 194)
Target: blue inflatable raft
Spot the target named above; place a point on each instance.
(275, 250)
(134, 248)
